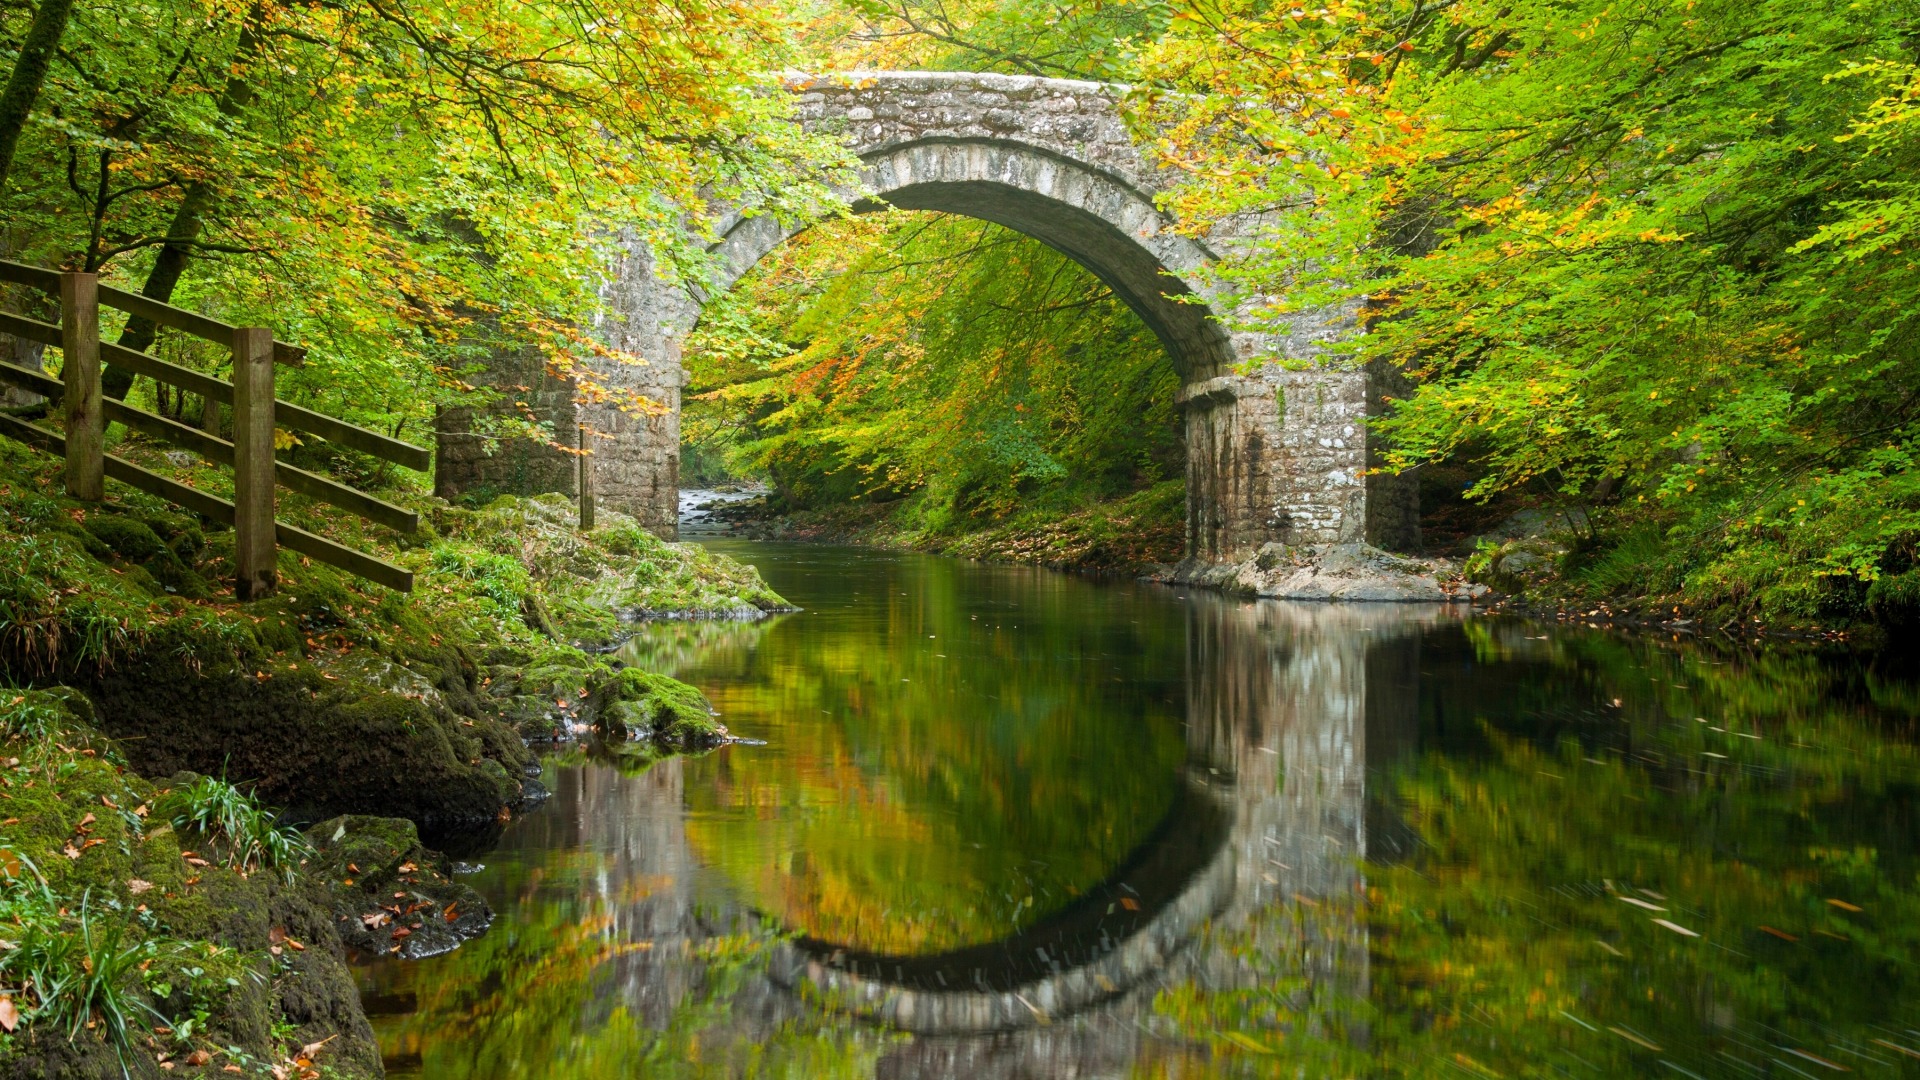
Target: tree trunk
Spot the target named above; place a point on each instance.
(29, 72)
(187, 222)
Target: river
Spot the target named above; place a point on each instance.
(1050, 827)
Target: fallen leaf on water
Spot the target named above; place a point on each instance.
(1834, 1065)
(1896, 1046)
(1640, 903)
(1676, 928)
(1248, 1041)
(1130, 903)
(1632, 1038)
(1781, 934)
(1844, 906)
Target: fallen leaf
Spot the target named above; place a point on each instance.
(90, 819)
(1844, 906)
(1676, 928)
(1248, 1042)
(199, 1057)
(407, 868)
(70, 851)
(1640, 903)
(9, 1014)
(312, 1049)
(1781, 934)
(1632, 1038)
(376, 920)
(1130, 903)
(136, 886)
(197, 861)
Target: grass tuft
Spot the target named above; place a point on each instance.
(244, 834)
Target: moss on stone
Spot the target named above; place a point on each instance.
(212, 939)
(663, 710)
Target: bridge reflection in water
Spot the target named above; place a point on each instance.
(1288, 709)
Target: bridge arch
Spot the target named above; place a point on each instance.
(1276, 440)
(1093, 217)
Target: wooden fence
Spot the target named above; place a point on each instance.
(255, 414)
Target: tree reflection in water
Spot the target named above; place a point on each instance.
(1441, 846)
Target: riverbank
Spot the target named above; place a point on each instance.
(1130, 537)
(332, 697)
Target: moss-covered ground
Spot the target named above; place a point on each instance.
(127, 662)
(132, 945)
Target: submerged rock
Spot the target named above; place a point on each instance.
(1342, 572)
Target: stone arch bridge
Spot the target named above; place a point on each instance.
(1274, 453)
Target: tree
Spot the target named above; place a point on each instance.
(1620, 247)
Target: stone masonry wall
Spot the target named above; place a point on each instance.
(1275, 453)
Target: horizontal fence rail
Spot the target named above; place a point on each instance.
(256, 412)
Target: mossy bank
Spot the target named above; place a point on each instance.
(133, 674)
(335, 696)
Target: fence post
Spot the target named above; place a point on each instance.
(254, 539)
(80, 370)
(210, 416)
(586, 483)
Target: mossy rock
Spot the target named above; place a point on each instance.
(214, 935)
(313, 741)
(136, 541)
(643, 705)
(367, 861)
(129, 538)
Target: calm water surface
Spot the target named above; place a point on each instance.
(1057, 828)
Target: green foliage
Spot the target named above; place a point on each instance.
(247, 836)
(937, 357)
(1656, 259)
(406, 191)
